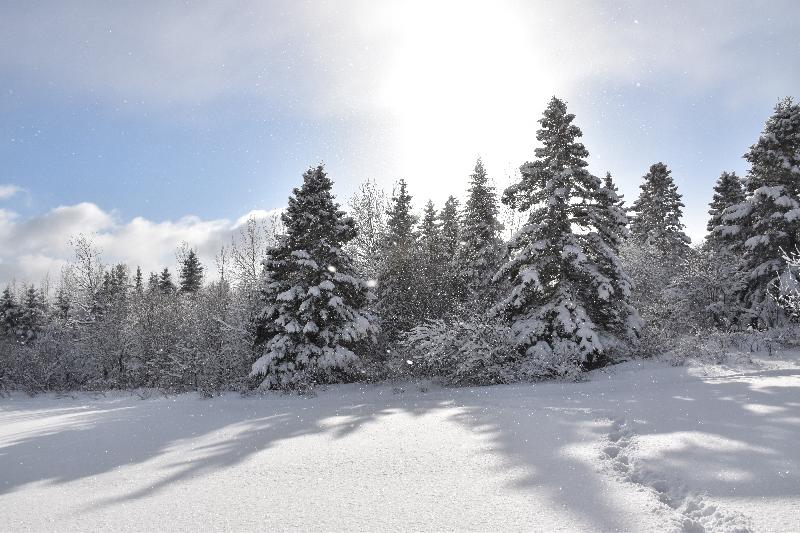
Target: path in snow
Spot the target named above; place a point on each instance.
(640, 447)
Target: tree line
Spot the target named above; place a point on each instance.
(377, 291)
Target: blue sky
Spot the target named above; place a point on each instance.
(148, 123)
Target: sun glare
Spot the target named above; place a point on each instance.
(461, 82)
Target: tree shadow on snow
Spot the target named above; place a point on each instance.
(732, 425)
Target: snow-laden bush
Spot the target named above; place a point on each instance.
(712, 345)
(462, 352)
(477, 351)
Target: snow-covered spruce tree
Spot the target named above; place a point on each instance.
(315, 308)
(165, 284)
(658, 213)
(767, 222)
(138, 285)
(481, 253)
(714, 277)
(608, 182)
(728, 192)
(191, 278)
(431, 265)
(561, 298)
(608, 231)
(9, 314)
(398, 282)
(611, 214)
(32, 315)
(452, 291)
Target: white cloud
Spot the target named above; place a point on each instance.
(436, 83)
(33, 249)
(7, 191)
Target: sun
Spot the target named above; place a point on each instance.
(462, 80)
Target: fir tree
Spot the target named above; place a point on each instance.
(191, 273)
(608, 183)
(450, 228)
(767, 222)
(315, 308)
(728, 191)
(152, 282)
(165, 284)
(63, 305)
(452, 286)
(431, 265)
(398, 283)
(609, 231)
(558, 287)
(611, 215)
(137, 281)
(481, 252)
(9, 314)
(32, 315)
(658, 213)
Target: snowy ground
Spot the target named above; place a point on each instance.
(639, 447)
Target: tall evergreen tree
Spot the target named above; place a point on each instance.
(450, 227)
(767, 222)
(152, 282)
(398, 283)
(315, 308)
(191, 273)
(558, 288)
(608, 183)
(63, 305)
(137, 281)
(9, 313)
(611, 214)
(452, 286)
(432, 266)
(728, 191)
(609, 231)
(658, 213)
(32, 315)
(481, 252)
(165, 284)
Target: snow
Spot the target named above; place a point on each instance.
(641, 446)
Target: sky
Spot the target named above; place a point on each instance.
(147, 124)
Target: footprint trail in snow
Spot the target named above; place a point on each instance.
(694, 513)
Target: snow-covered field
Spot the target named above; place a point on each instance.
(639, 447)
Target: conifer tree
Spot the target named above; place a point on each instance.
(481, 252)
(9, 313)
(611, 214)
(315, 308)
(608, 183)
(152, 282)
(728, 192)
(658, 213)
(767, 222)
(191, 278)
(558, 287)
(431, 266)
(609, 231)
(63, 305)
(137, 281)
(452, 286)
(450, 227)
(165, 284)
(398, 283)
(32, 315)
